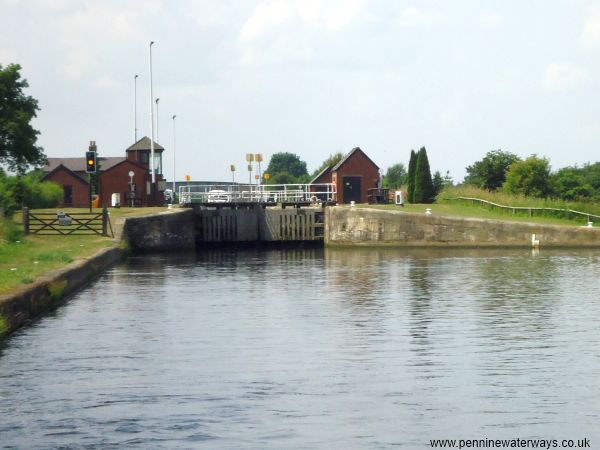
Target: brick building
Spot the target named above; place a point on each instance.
(113, 177)
(353, 176)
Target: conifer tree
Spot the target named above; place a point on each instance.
(412, 165)
(423, 190)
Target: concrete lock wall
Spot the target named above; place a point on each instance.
(363, 226)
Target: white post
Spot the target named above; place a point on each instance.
(151, 125)
(157, 119)
(174, 157)
(135, 108)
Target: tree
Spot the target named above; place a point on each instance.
(567, 183)
(530, 177)
(440, 182)
(331, 161)
(423, 192)
(395, 176)
(577, 183)
(18, 149)
(287, 162)
(283, 178)
(412, 166)
(490, 172)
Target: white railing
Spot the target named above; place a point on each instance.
(529, 209)
(252, 193)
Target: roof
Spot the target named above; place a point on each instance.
(123, 161)
(79, 176)
(78, 164)
(349, 155)
(321, 173)
(144, 144)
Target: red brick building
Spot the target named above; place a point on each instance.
(113, 177)
(75, 184)
(353, 176)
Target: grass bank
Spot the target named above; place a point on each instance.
(23, 259)
(445, 205)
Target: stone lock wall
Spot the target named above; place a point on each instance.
(364, 226)
(171, 230)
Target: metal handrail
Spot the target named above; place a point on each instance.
(525, 208)
(252, 193)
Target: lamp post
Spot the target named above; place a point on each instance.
(249, 158)
(173, 156)
(156, 101)
(135, 77)
(258, 158)
(232, 168)
(151, 126)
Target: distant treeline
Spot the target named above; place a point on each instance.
(505, 172)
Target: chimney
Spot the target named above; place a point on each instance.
(93, 147)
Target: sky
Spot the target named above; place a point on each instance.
(312, 77)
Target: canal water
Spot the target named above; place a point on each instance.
(313, 349)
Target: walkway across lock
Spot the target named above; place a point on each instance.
(266, 194)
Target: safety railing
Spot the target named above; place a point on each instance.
(527, 209)
(266, 193)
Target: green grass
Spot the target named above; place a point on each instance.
(461, 208)
(113, 212)
(24, 260)
(517, 200)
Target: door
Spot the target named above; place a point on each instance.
(351, 189)
(67, 195)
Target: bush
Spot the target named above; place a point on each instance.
(28, 190)
(530, 178)
(9, 231)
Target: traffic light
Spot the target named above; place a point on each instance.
(90, 162)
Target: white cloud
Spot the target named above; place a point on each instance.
(564, 76)
(78, 63)
(90, 35)
(490, 18)
(7, 56)
(208, 14)
(9, 3)
(590, 37)
(295, 30)
(106, 82)
(266, 16)
(413, 16)
(272, 15)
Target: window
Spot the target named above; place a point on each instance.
(158, 163)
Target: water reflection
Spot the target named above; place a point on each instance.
(310, 348)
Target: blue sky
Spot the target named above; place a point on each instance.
(313, 77)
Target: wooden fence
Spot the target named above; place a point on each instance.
(65, 224)
(527, 209)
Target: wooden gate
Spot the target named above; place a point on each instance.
(64, 224)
